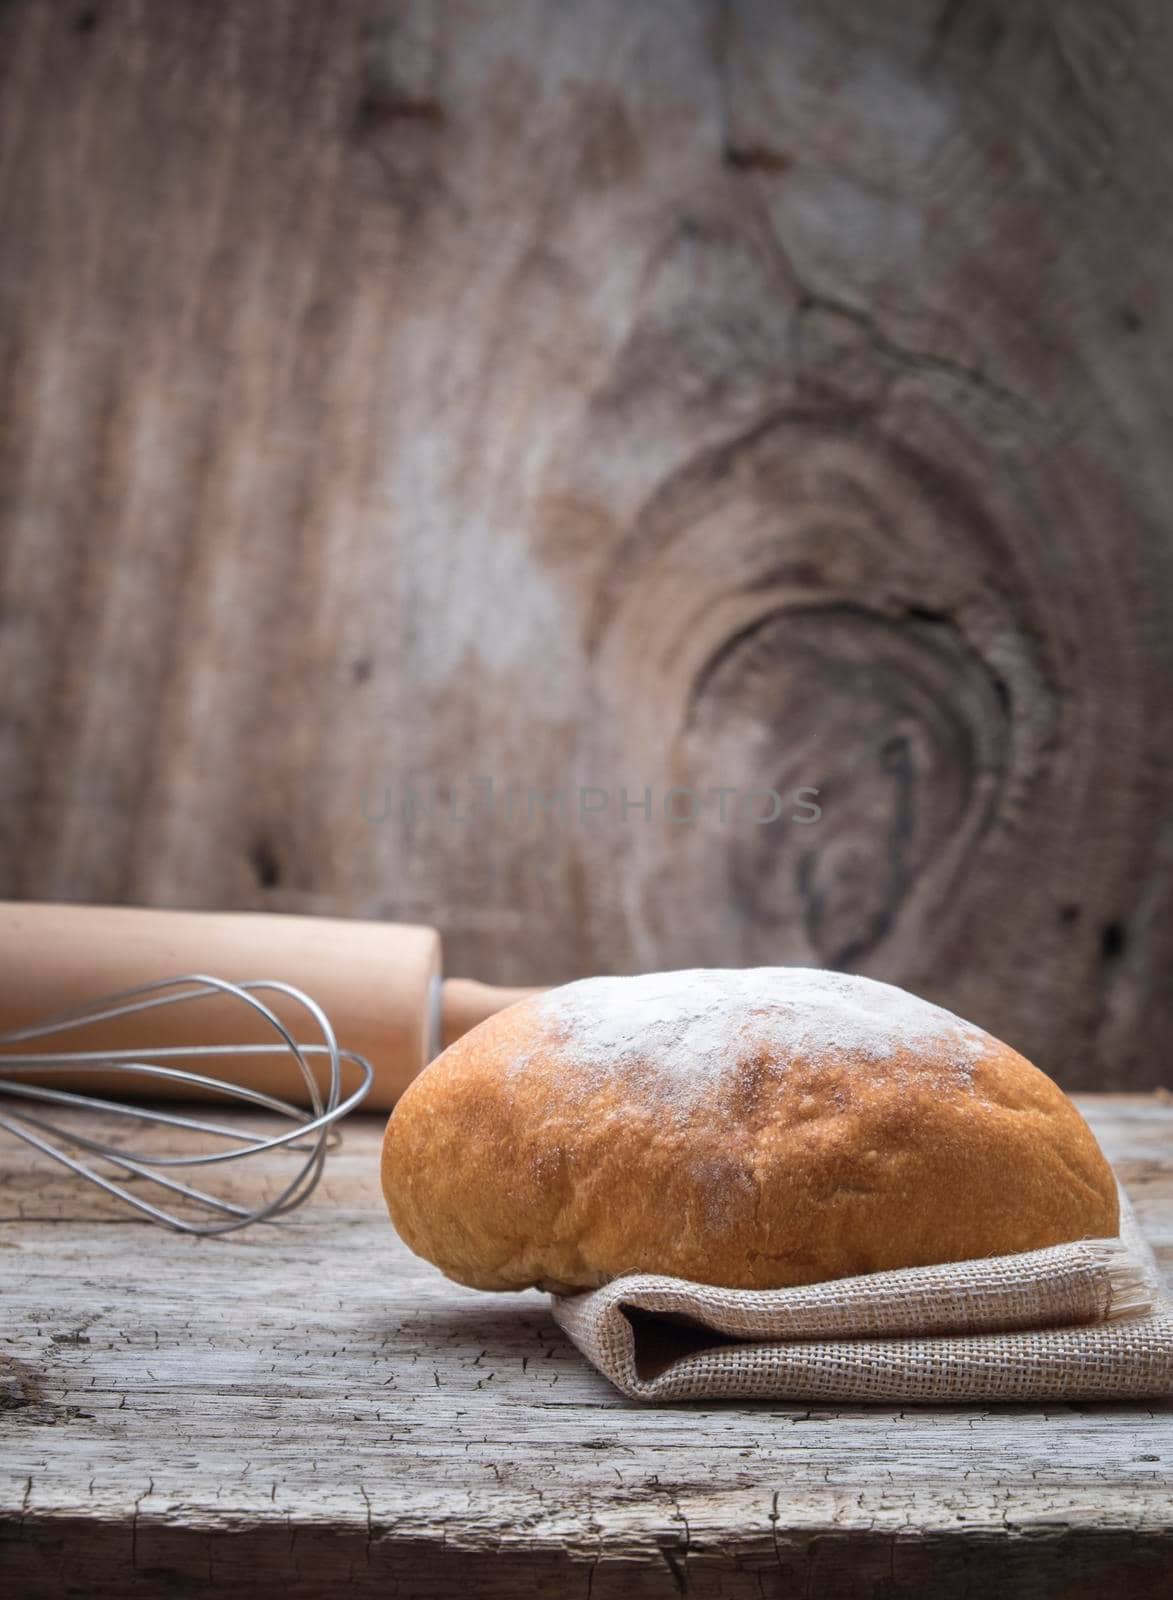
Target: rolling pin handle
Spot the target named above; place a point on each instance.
(466, 1002)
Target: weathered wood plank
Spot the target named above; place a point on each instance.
(307, 1405)
(604, 397)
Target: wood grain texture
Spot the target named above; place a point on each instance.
(601, 397)
(304, 1407)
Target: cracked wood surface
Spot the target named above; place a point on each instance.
(307, 1406)
(604, 397)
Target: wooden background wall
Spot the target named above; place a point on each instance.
(755, 395)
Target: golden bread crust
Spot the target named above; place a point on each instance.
(516, 1159)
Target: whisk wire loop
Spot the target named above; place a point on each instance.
(312, 1134)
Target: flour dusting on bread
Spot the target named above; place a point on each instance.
(684, 1033)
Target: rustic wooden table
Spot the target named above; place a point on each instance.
(306, 1407)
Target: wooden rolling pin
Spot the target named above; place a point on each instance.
(379, 983)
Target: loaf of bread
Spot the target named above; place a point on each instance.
(751, 1129)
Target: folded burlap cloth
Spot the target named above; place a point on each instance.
(1084, 1321)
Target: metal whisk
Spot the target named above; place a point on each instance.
(311, 1136)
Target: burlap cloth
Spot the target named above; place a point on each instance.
(1085, 1321)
